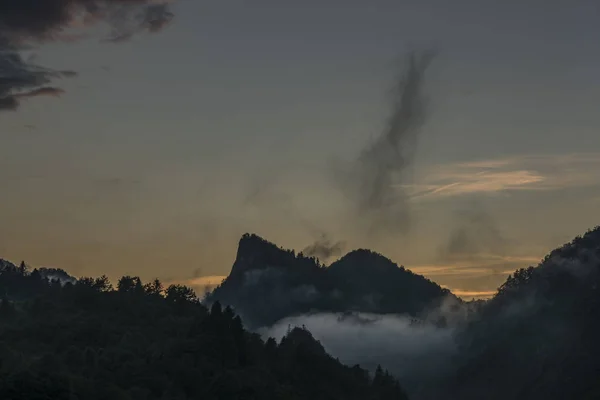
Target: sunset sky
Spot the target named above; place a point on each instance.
(167, 147)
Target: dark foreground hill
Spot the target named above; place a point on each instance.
(539, 337)
(536, 339)
(88, 341)
(268, 283)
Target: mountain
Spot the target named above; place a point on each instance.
(89, 341)
(538, 337)
(268, 283)
(373, 283)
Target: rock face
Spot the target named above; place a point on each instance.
(255, 253)
(268, 283)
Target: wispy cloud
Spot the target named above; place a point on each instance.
(452, 270)
(44, 91)
(473, 294)
(212, 280)
(479, 264)
(530, 172)
(200, 284)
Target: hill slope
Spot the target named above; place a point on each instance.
(88, 341)
(540, 332)
(268, 283)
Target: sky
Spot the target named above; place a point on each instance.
(167, 146)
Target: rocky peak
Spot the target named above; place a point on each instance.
(255, 252)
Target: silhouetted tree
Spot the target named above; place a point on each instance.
(88, 341)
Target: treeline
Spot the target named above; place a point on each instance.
(90, 340)
(539, 333)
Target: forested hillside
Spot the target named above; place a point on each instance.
(67, 338)
(138, 341)
(538, 337)
(268, 283)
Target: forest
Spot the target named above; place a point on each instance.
(90, 340)
(68, 338)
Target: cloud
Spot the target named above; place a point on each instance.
(152, 18)
(476, 294)
(479, 264)
(529, 172)
(8, 103)
(474, 232)
(44, 91)
(22, 21)
(200, 284)
(450, 270)
(416, 351)
(21, 79)
(371, 339)
(27, 23)
(478, 276)
(368, 181)
(324, 248)
(453, 183)
(212, 280)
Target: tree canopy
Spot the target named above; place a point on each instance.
(88, 340)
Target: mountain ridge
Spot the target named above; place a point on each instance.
(267, 283)
(539, 332)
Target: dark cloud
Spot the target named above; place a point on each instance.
(24, 23)
(373, 181)
(25, 20)
(324, 248)
(8, 103)
(43, 91)
(130, 19)
(20, 79)
(156, 17)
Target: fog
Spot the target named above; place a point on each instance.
(417, 351)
